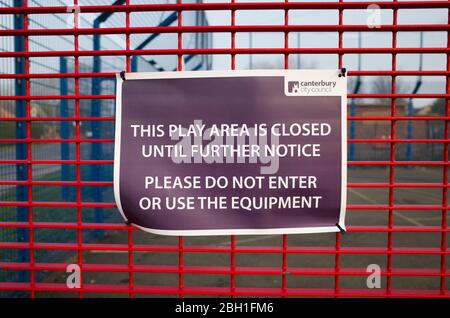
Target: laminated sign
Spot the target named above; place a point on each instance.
(232, 152)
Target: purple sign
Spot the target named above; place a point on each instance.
(234, 152)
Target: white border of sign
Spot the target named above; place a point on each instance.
(340, 90)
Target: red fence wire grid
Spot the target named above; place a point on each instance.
(383, 226)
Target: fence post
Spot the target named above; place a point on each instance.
(96, 171)
(352, 130)
(64, 127)
(410, 109)
(134, 63)
(409, 136)
(21, 133)
(353, 105)
(96, 147)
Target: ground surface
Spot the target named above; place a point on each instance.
(274, 260)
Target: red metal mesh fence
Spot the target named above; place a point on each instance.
(398, 205)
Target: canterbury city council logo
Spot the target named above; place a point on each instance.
(294, 87)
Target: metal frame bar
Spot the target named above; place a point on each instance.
(24, 141)
(21, 132)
